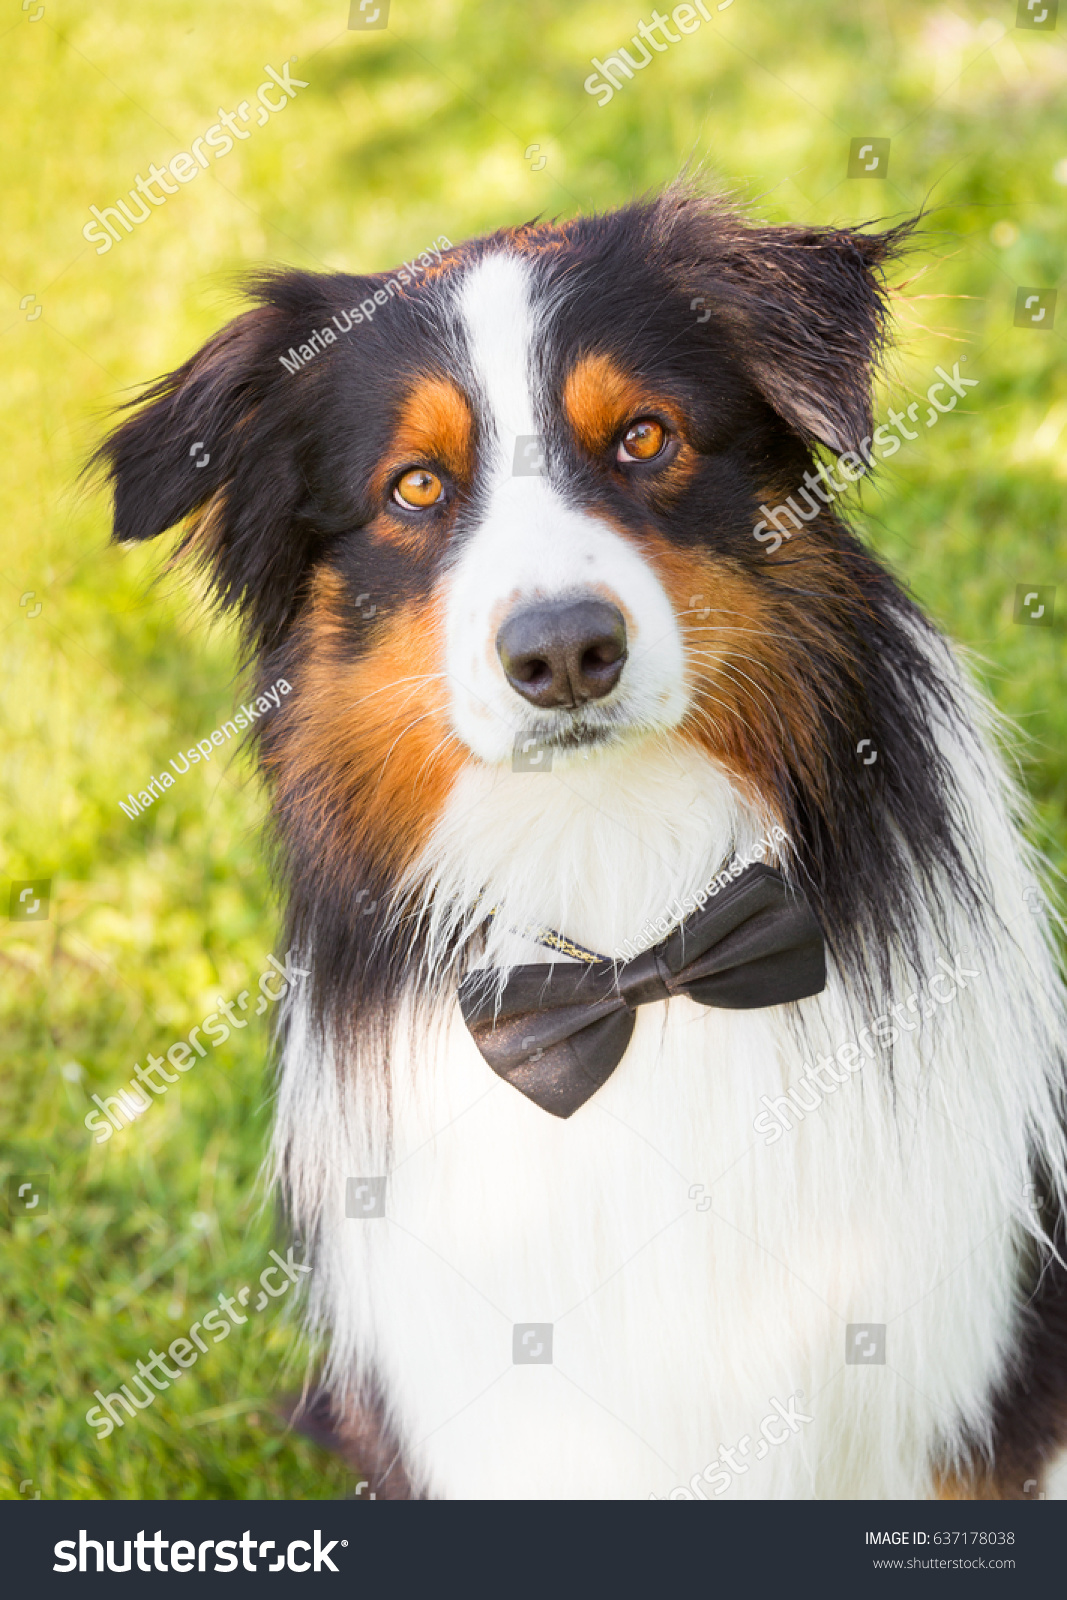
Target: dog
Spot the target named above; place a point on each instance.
(682, 1018)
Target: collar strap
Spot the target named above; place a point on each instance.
(551, 940)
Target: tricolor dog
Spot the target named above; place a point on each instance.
(676, 1104)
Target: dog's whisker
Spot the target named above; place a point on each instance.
(414, 723)
(450, 738)
(395, 683)
(733, 673)
(723, 660)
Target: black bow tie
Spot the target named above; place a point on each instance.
(558, 1031)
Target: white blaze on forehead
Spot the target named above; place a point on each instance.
(495, 305)
(531, 545)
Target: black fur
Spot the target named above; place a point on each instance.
(783, 363)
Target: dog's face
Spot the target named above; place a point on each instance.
(517, 506)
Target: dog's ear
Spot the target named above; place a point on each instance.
(221, 445)
(805, 310)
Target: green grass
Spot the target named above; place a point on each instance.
(401, 135)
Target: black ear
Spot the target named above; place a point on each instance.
(221, 445)
(806, 310)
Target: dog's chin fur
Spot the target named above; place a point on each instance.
(902, 1191)
(598, 845)
(905, 1198)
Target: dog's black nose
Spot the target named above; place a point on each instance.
(563, 653)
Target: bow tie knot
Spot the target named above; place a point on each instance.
(644, 979)
(557, 1031)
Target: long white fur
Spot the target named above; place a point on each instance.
(675, 1325)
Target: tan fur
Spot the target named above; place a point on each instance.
(601, 398)
(371, 756)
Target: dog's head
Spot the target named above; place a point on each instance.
(514, 497)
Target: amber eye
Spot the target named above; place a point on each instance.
(642, 440)
(418, 489)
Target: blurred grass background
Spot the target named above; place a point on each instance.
(437, 123)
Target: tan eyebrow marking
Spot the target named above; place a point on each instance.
(435, 424)
(598, 397)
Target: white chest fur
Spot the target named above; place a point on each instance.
(694, 1346)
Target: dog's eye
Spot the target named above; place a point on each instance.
(418, 489)
(642, 440)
